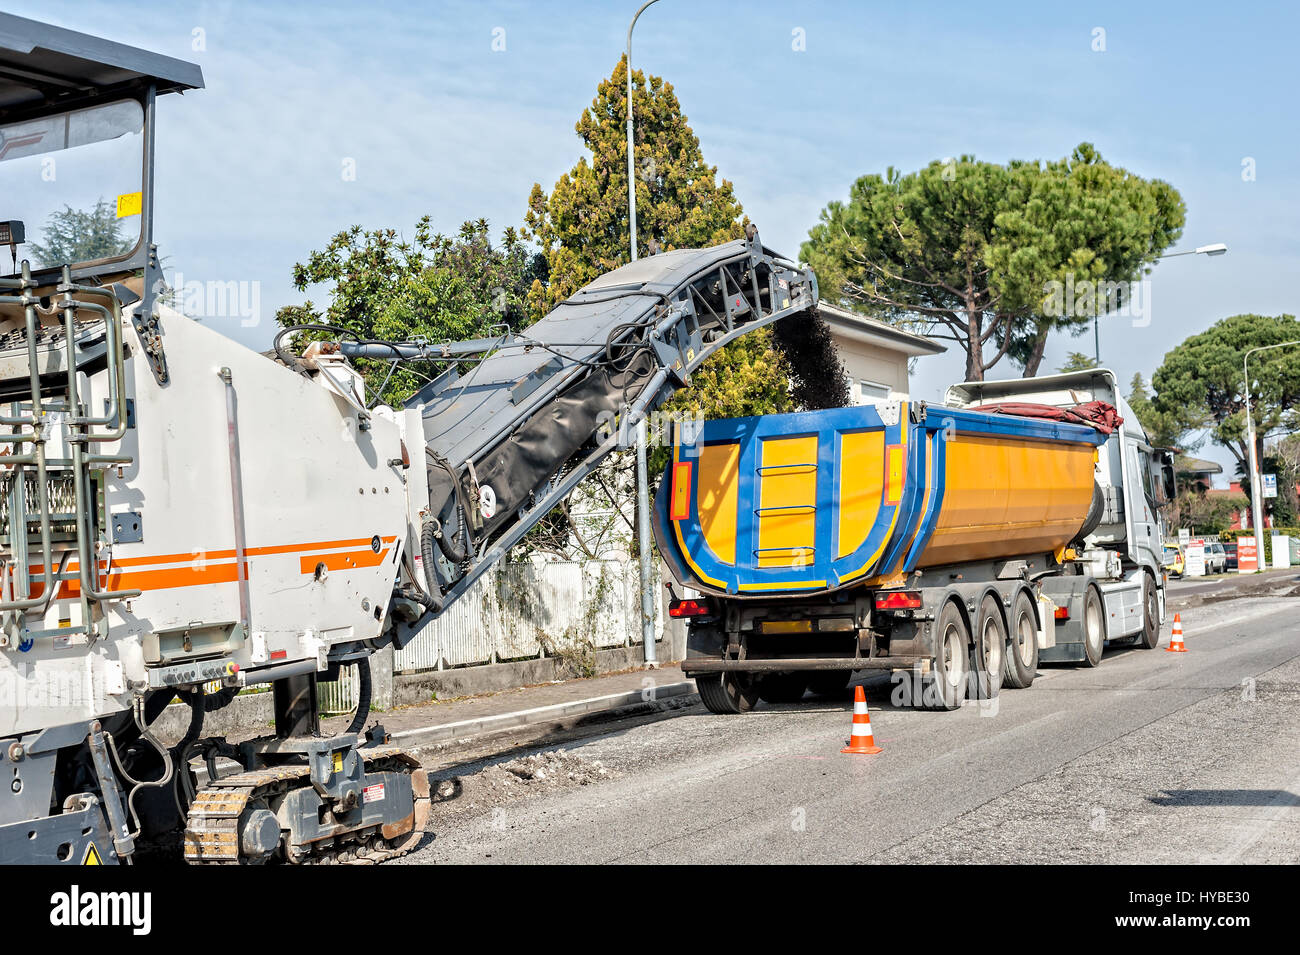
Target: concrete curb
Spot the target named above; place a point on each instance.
(555, 712)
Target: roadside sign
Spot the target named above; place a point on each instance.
(1184, 535)
(1194, 558)
(1270, 485)
(1281, 551)
(1247, 555)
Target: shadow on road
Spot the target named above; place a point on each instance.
(1226, 797)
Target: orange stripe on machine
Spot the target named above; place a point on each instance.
(220, 566)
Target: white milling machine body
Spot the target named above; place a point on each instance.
(181, 516)
(178, 509)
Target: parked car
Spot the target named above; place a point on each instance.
(1216, 558)
(1173, 561)
(1230, 550)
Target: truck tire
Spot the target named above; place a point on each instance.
(990, 648)
(1149, 638)
(782, 687)
(829, 683)
(1022, 643)
(945, 688)
(727, 693)
(1094, 628)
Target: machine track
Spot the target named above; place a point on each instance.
(212, 830)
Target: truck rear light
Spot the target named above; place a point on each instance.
(689, 608)
(898, 600)
(1062, 613)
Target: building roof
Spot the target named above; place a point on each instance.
(857, 327)
(1197, 465)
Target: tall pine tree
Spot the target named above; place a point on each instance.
(581, 227)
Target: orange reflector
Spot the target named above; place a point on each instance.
(895, 459)
(681, 497)
(1062, 613)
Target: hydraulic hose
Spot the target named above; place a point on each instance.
(363, 697)
(428, 534)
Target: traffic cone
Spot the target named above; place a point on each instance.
(861, 742)
(1176, 637)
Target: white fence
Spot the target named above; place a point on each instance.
(524, 611)
(518, 611)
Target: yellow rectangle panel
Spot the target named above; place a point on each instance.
(1006, 497)
(717, 497)
(787, 501)
(861, 483)
(787, 626)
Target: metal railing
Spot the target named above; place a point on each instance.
(69, 480)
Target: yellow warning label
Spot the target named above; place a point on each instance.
(338, 762)
(129, 204)
(92, 856)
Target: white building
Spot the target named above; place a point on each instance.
(875, 355)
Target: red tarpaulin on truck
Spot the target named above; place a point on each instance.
(1098, 414)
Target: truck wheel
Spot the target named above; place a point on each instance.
(782, 687)
(727, 693)
(829, 682)
(946, 687)
(1022, 645)
(990, 648)
(1150, 635)
(1094, 628)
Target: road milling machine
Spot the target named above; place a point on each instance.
(184, 517)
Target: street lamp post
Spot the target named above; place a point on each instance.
(631, 171)
(1218, 248)
(1256, 492)
(642, 474)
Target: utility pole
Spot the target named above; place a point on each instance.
(642, 474)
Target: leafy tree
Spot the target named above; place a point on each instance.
(433, 287)
(1286, 455)
(1283, 508)
(1206, 514)
(82, 235)
(1165, 427)
(1201, 379)
(976, 252)
(1078, 361)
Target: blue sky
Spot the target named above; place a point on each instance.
(438, 122)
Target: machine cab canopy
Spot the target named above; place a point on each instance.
(76, 148)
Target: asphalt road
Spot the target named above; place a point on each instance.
(1151, 757)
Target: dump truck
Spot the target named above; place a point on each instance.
(956, 545)
(183, 517)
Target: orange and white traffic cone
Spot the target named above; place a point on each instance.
(1176, 637)
(861, 742)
